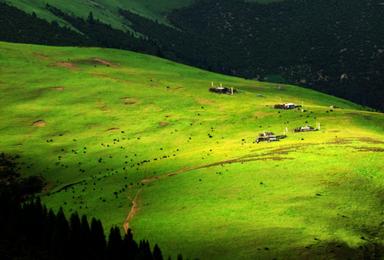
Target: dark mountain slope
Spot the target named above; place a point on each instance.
(332, 46)
(20, 27)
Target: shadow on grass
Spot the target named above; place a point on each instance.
(341, 251)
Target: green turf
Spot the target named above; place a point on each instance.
(163, 109)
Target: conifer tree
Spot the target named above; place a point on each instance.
(157, 253)
(115, 246)
(90, 18)
(47, 231)
(60, 234)
(75, 242)
(86, 237)
(130, 245)
(98, 241)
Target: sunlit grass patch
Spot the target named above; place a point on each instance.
(112, 130)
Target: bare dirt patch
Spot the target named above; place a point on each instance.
(99, 5)
(204, 101)
(113, 129)
(370, 140)
(42, 56)
(163, 124)
(39, 123)
(102, 106)
(59, 88)
(66, 64)
(130, 101)
(222, 108)
(104, 62)
(367, 149)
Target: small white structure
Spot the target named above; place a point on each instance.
(289, 105)
(304, 129)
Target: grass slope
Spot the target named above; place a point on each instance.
(106, 11)
(105, 123)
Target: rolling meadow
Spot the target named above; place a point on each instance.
(139, 142)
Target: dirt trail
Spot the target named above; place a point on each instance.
(135, 209)
(104, 62)
(66, 187)
(99, 6)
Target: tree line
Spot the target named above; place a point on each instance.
(19, 27)
(336, 47)
(29, 230)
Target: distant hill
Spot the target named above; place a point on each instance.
(336, 47)
(107, 11)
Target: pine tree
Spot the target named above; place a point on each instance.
(90, 18)
(60, 234)
(98, 241)
(115, 246)
(75, 242)
(86, 238)
(144, 250)
(47, 231)
(157, 253)
(130, 245)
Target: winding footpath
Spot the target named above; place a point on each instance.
(135, 207)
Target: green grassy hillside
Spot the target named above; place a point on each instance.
(106, 11)
(140, 142)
